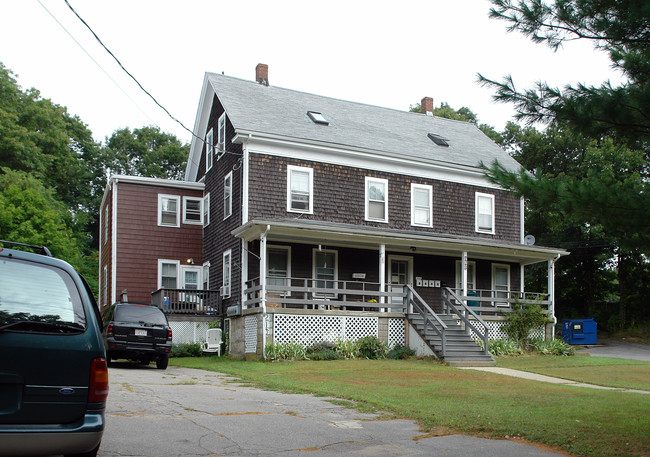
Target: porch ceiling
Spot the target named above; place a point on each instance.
(345, 235)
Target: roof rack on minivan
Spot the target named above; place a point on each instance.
(41, 249)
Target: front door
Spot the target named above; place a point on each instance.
(191, 280)
(400, 273)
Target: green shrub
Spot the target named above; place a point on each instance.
(322, 351)
(186, 350)
(504, 347)
(284, 351)
(371, 347)
(522, 320)
(551, 347)
(347, 349)
(401, 352)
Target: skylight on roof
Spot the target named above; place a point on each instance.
(317, 117)
(440, 141)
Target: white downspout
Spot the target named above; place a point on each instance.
(263, 286)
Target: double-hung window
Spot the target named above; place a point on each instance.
(168, 274)
(192, 210)
(325, 271)
(209, 149)
(484, 217)
(227, 274)
(227, 196)
(300, 189)
(501, 282)
(421, 205)
(278, 265)
(376, 199)
(206, 210)
(221, 136)
(168, 210)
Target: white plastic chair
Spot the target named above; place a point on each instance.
(212, 341)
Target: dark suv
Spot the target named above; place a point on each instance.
(137, 332)
(53, 375)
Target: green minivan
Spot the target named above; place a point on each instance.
(53, 374)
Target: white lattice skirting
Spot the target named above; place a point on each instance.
(396, 332)
(250, 334)
(188, 331)
(308, 330)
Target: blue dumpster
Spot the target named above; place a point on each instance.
(472, 293)
(579, 331)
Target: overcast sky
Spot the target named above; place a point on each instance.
(383, 53)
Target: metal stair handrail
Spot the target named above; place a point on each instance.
(425, 311)
(447, 304)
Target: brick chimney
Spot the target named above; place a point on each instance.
(262, 74)
(426, 107)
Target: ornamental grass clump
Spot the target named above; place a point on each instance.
(284, 351)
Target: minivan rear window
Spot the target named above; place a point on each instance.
(42, 296)
(140, 313)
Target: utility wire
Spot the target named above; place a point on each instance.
(97, 63)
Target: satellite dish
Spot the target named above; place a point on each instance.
(529, 240)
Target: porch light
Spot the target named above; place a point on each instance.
(190, 261)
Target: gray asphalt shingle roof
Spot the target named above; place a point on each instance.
(252, 107)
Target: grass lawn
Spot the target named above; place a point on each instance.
(601, 371)
(579, 421)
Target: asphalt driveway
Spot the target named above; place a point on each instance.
(185, 412)
(618, 349)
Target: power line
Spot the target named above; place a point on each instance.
(97, 63)
(142, 88)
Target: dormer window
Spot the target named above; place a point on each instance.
(318, 118)
(437, 139)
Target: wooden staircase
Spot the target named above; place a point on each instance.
(448, 335)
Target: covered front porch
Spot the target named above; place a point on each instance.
(332, 273)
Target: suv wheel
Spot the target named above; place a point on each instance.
(162, 362)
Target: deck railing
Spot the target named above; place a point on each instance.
(495, 302)
(309, 293)
(187, 301)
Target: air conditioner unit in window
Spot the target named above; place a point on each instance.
(224, 291)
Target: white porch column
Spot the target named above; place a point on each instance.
(463, 272)
(382, 270)
(521, 279)
(263, 287)
(551, 292)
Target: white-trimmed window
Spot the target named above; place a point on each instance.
(421, 205)
(501, 282)
(168, 273)
(209, 150)
(206, 210)
(325, 271)
(106, 223)
(278, 265)
(300, 189)
(105, 286)
(227, 196)
(484, 217)
(221, 136)
(227, 274)
(376, 199)
(192, 210)
(169, 210)
(206, 275)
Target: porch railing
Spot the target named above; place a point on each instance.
(453, 304)
(187, 301)
(495, 302)
(312, 293)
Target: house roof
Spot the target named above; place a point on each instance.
(260, 110)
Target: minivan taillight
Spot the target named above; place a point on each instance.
(109, 330)
(169, 333)
(98, 388)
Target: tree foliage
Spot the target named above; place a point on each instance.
(147, 152)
